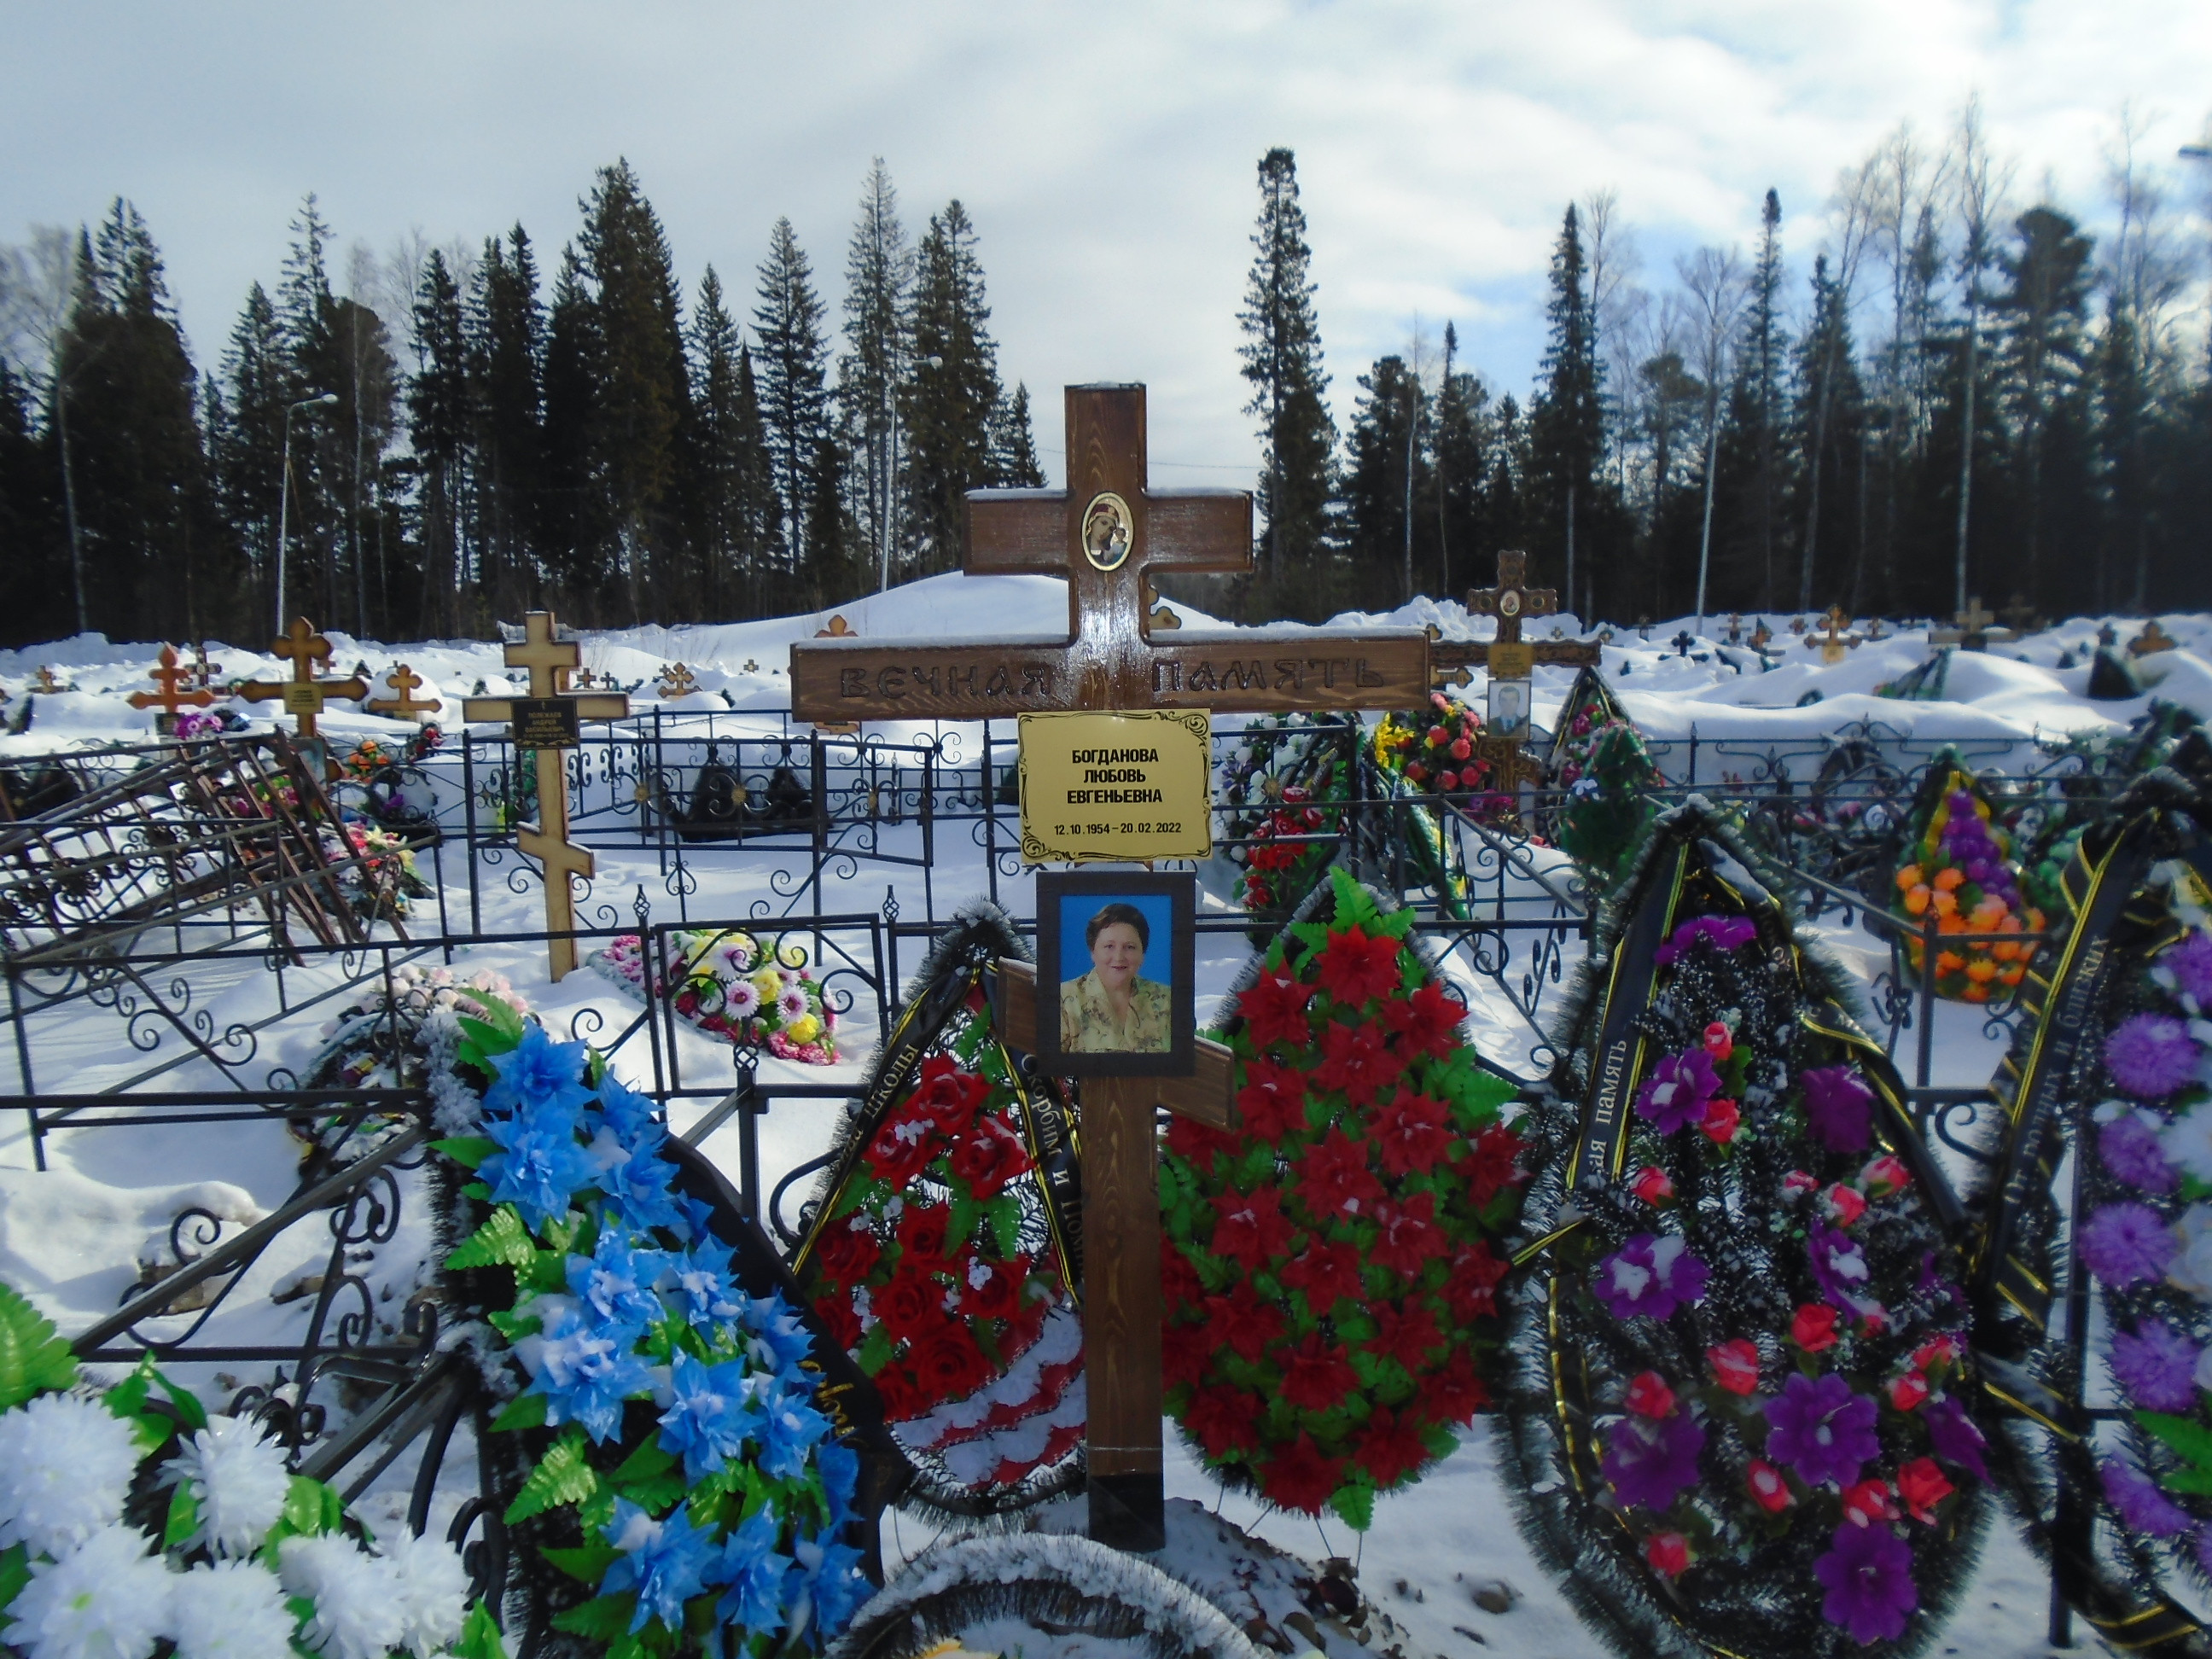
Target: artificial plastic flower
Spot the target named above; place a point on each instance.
(2156, 1366)
(1838, 1107)
(711, 1416)
(229, 1610)
(2140, 1504)
(360, 1613)
(1823, 1429)
(434, 1589)
(2130, 1146)
(2151, 1055)
(237, 1476)
(1650, 1460)
(753, 1573)
(586, 1371)
(1735, 1365)
(664, 1562)
(1650, 1275)
(101, 1597)
(1723, 934)
(1868, 1575)
(65, 1467)
(1676, 1094)
(2127, 1244)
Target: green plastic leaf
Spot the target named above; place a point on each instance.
(480, 1638)
(875, 1349)
(32, 1358)
(1355, 1505)
(525, 1411)
(467, 1150)
(499, 1019)
(604, 1618)
(186, 1402)
(561, 1477)
(128, 1398)
(587, 1565)
(2195, 1482)
(183, 1517)
(2189, 1437)
(514, 1326)
(502, 1241)
(14, 1572)
(647, 1462)
(1005, 1213)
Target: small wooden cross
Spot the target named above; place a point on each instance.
(403, 681)
(1682, 641)
(170, 676)
(1107, 534)
(1874, 631)
(1971, 633)
(45, 684)
(1797, 625)
(2020, 616)
(2107, 636)
(1735, 628)
(2152, 641)
(675, 681)
(203, 671)
(303, 694)
(546, 721)
(1833, 644)
(1505, 657)
(1121, 1264)
(1761, 636)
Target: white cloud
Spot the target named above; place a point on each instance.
(1107, 155)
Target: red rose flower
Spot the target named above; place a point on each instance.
(902, 1148)
(1250, 1229)
(1180, 1284)
(948, 1365)
(1844, 1204)
(1356, 1061)
(1922, 1485)
(1722, 1119)
(921, 1236)
(1408, 1336)
(1185, 1352)
(1735, 1365)
(1324, 1271)
(1392, 1447)
(1274, 1009)
(1720, 1041)
(901, 1398)
(910, 1307)
(1492, 1164)
(1356, 970)
(836, 1311)
(991, 1156)
(1333, 1177)
(1650, 1396)
(1410, 1133)
(1426, 1022)
(1652, 1184)
(1410, 1239)
(1226, 1421)
(1455, 1394)
(947, 1095)
(1316, 1378)
(1241, 1322)
(1869, 1502)
(1814, 1328)
(1884, 1176)
(1000, 1296)
(1798, 1183)
(1273, 1101)
(1472, 1286)
(848, 1251)
(1767, 1488)
(1299, 1478)
(1668, 1553)
(1938, 1350)
(1190, 1139)
(1908, 1391)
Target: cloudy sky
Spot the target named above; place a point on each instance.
(1105, 151)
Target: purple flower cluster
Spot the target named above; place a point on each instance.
(2191, 962)
(1953, 1435)
(2151, 1055)
(1966, 842)
(1822, 1429)
(1722, 932)
(1839, 1268)
(1675, 1095)
(2127, 1244)
(2156, 1366)
(1651, 1274)
(1868, 1575)
(1838, 1107)
(2142, 1507)
(1648, 1461)
(2130, 1146)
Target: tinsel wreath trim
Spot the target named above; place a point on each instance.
(2034, 1434)
(1061, 1584)
(978, 931)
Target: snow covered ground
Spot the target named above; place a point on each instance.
(72, 1235)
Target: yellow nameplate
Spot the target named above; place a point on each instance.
(1134, 787)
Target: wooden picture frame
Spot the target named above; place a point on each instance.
(1069, 904)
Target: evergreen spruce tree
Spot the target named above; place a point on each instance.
(759, 511)
(1384, 441)
(305, 304)
(573, 525)
(438, 429)
(1501, 485)
(1830, 417)
(644, 392)
(1282, 359)
(716, 343)
(1761, 405)
(2041, 317)
(33, 579)
(507, 327)
(953, 388)
(879, 274)
(248, 441)
(1013, 444)
(794, 403)
(1461, 467)
(1567, 426)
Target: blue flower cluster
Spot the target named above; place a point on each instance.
(637, 1296)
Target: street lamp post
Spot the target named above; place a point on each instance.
(284, 493)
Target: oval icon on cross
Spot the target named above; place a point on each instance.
(1108, 531)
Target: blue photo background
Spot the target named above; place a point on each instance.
(1075, 913)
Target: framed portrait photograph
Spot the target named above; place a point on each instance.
(1115, 961)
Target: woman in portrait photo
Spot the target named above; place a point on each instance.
(1111, 1009)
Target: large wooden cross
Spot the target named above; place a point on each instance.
(303, 694)
(1110, 535)
(1122, 1266)
(546, 721)
(170, 676)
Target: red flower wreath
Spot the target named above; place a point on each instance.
(1331, 1282)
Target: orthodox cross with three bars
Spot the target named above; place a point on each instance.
(1505, 657)
(546, 721)
(170, 677)
(303, 694)
(1109, 534)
